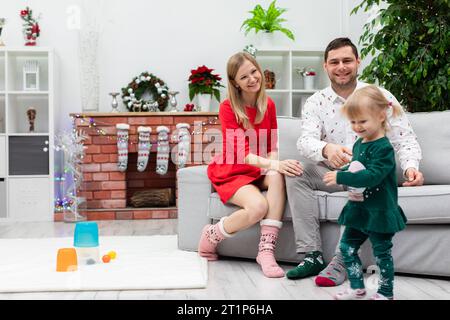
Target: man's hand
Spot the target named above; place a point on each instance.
(414, 178)
(337, 155)
(330, 178)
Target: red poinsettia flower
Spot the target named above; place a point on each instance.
(202, 81)
(198, 79)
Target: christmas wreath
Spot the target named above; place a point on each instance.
(132, 94)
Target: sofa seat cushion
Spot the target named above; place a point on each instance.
(217, 210)
(421, 205)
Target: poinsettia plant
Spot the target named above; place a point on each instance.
(203, 81)
(305, 71)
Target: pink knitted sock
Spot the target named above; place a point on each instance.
(211, 236)
(266, 258)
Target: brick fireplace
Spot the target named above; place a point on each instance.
(106, 189)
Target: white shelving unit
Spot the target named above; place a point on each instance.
(26, 158)
(289, 94)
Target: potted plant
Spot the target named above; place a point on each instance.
(268, 21)
(204, 84)
(308, 75)
(409, 42)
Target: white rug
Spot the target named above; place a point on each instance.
(154, 262)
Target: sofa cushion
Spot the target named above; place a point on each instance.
(217, 210)
(288, 133)
(433, 133)
(421, 205)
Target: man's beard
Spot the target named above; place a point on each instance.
(349, 84)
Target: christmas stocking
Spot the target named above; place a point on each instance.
(184, 143)
(162, 158)
(143, 147)
(122, 145)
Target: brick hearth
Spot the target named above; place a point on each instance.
(106, 189)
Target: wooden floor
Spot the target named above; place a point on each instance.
(228, 278)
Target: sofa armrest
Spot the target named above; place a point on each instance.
(194, 188)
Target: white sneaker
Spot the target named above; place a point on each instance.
(378, 296)
(350, 294)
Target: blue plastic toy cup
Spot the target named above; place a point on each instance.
(86, 235)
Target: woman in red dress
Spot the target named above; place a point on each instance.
(249, 164)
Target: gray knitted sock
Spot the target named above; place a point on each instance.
(334, 274)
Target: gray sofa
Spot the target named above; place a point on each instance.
(422, 248)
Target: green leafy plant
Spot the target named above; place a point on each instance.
(267, 20)
(409, 42)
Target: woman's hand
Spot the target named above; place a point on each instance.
(289, 167)
(330, 178)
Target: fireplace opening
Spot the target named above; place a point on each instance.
(148, 189)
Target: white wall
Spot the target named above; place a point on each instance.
(167, 38)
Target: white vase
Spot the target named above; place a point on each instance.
(267, 39)
(204, 102)
(308, 82)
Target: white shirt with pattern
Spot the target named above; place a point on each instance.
(323, 122)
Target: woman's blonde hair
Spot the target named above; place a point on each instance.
(234, 93)
(369, 98)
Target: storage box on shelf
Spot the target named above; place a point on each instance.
(289, 93)
(26, 157)
(106, 189)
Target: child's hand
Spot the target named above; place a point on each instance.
(330, 178)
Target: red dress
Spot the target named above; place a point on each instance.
(228, 171)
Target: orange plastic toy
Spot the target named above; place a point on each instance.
(66, 260)
(106, 258)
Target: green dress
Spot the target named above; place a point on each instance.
(379, 212)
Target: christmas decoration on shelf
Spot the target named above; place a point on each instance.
(173, 101)
(114, 103)
(31, 77)
(308, 75)
(269, 76)
(72, 147)
(2, 24)
(146, 82)
(31, 30)
(189, 107)
(251, 50)
(31, 114)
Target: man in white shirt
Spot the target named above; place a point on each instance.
(327, 139)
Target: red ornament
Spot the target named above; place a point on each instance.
(189, 107)
(35, 28)
(23, 13)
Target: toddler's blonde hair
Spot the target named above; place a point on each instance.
(369, 98)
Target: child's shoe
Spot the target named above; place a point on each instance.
(379, 296)
(350, 294)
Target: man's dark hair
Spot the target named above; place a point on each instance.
(339, 43)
